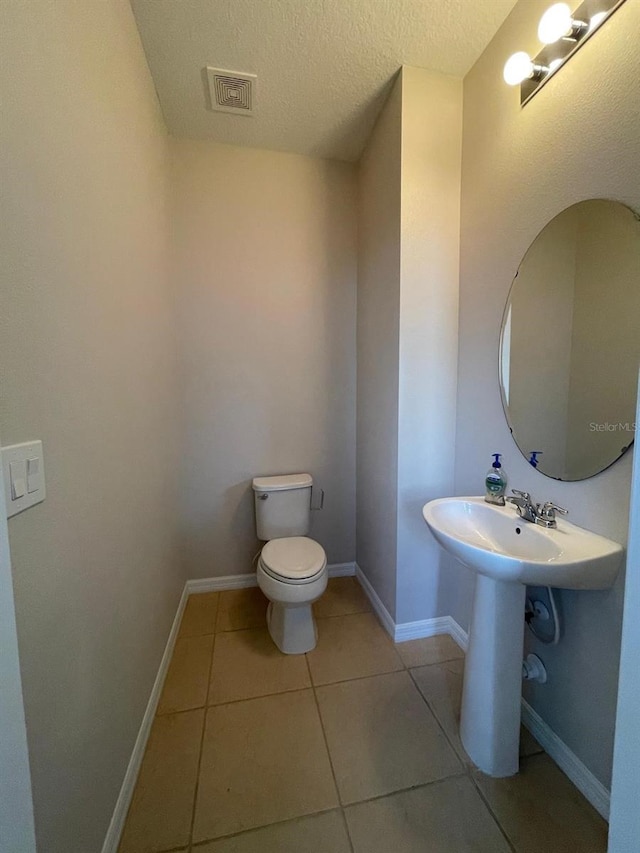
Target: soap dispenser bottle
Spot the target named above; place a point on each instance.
(495, 482)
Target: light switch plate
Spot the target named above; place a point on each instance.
(24, 464)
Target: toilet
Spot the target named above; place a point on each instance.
(292, 569)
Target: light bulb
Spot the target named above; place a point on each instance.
(596, 20)
(517, 68)
(555, 23)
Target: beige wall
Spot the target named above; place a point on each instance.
(88, 366)
(430, 217)
(379, 224)
(514, 181)
(409, 214)
(265, 269)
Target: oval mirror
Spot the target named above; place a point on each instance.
(570, 341)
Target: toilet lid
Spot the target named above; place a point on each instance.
(294, 557)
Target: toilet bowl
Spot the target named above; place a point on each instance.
(292, 569)
(292, 573)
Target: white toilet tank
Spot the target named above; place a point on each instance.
(283, 505)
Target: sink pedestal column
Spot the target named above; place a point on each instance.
(490, 717)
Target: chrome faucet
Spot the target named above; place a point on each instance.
(542, 514)
(524, 505)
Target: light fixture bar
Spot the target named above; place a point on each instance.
(589, 17)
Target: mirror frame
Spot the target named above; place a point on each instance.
(505, 405)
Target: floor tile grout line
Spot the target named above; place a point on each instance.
(433, 663)
(297, 819)
(489, 808)
(465, 770)
(338, 808)
(468, 767)
(405, 667)
(260, 627)
(180, 711)
(326, 746)
(345, 823)
(182, 636)
(465, 762)
(437, 719)
(204, 726)
(340, 615)
(461, 775)
(174, 850)
(326, 616)
(309, 686)
(313, 687)
(467, 773)
(356, 678)
(522, 757)
(295, 689)
(259, 696)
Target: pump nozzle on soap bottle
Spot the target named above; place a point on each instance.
(495, 482)
(533, 459)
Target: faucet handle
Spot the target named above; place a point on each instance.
(548, 510)
(524, 495)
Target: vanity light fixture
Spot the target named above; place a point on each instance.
(557, 23)
(562, 32)
(521, 67)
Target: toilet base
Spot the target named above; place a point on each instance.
(292, 629)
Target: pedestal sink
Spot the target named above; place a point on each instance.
(507, 553)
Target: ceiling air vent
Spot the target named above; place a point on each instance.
(232, 91)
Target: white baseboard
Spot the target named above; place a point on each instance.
(221, 583)
(584, 780)
(423, 628)
(404, 631)
(458, 633)
(380, 610)
(112, 838)
(342, 570)
(336, 570)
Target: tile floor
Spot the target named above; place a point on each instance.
(352, 748)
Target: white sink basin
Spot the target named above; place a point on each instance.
(496, 542)
(507, 553)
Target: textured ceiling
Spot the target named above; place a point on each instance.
(324, 66)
